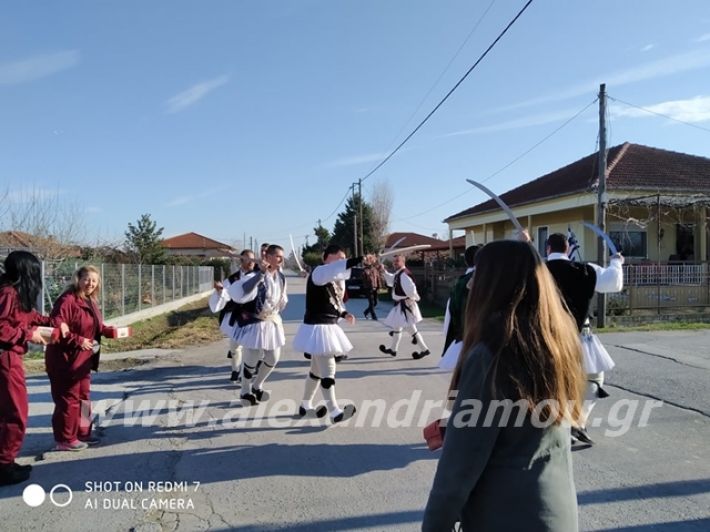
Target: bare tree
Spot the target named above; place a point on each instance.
(381, 200)
(52, 222)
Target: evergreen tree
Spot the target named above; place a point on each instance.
(145, 242)
(343, 232)
(313, 255)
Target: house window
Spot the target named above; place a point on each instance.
(542, 240)
(632, 244)
(684, 242)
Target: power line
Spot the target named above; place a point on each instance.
(444, 71)
(491, 176)
(659, 114)
(451, 91)
(347, 193)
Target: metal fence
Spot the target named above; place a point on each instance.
(127, 288)
(648, 288)
(662, 288)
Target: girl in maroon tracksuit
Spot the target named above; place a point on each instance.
(70, 361)
(20, 286)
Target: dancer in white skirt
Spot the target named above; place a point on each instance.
(405, 314)
(321, 336)
(221, 302)
(578, 283)
(262, 296)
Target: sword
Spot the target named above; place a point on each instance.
(603, 235)
(500, 202)
(394, 245)
(295, 255)
(402, 251)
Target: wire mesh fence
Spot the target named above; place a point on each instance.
(127, 288)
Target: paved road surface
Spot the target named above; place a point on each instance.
(177, 419)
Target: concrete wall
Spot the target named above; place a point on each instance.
(157, 310)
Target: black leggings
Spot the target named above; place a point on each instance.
(372, 302)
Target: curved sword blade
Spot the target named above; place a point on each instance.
(597, 230)
(500, 202)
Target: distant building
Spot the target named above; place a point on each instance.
(43, 247)
(438, 249)
(196, 245)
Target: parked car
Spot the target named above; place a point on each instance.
(355, 286)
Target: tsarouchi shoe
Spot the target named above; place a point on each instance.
(262, 395)
(347, 413)
(420, 354)
(387, 351)
(311, 413)
(580, 434)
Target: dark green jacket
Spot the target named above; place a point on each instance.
(457, 310)
(500, 478)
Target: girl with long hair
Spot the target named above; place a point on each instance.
(518, 385)
(70, 361)
(20, 288)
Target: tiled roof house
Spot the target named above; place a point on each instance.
(644, 185)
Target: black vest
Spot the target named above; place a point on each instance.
(397, 285)
(577, 282)
(231, 306)
(323, 306)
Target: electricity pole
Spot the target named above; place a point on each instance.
(362, 230)
(601, 202)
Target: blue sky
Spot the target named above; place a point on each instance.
(233, 117)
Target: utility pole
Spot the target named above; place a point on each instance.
(355, 253)
(362, 224)
(601, 202)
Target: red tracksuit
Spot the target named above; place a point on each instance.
(69, 367)
(16, 328)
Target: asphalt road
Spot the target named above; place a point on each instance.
(179, 452)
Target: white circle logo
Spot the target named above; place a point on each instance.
(61, 504)
(33, 495)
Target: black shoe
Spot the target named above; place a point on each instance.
(249, 398)
(234, 376)
(347, 413)
(20, 467)
(602, 393)
(391, 333)
(414, 339)
(307, 355)
(365, 314)
(262, 395)
(580, 434)
(9, 474)
(388, 351)
(340, 358)
(374, 317)
(421, 354)
(319, 412)
(229, 354)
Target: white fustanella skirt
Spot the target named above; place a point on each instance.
(321, 340)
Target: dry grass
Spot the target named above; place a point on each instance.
(192, 324)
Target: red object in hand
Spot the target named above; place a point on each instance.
(119, 332)
(434, 434)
